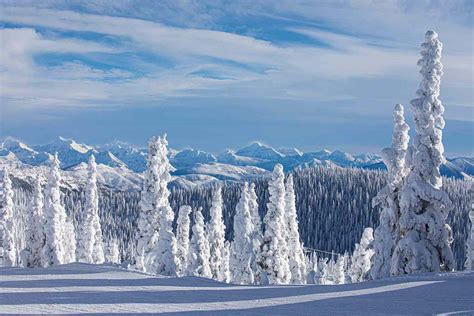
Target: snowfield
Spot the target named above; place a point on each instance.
(81, 288)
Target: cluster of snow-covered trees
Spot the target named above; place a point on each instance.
(413, 235)
(50, 234)
(253, 233)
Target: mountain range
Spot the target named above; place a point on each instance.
(194, 166)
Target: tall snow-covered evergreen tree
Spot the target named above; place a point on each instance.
(90, 244)
(469, 265)
(274, 255)
(216, 235)
(339, 273)
(8, 254)
(148, 218)
(198, 256)
(164, 253)
(54, 251)
(257, 236)
(69, 241)
(182, 239)
(242, 246)
(296, 257)
(425, 237)
(113, 251)
(35, 238)
(362, 257)
(226, 263)
(386, 234)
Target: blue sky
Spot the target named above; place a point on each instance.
(218, 74)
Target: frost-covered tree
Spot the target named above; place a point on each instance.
(296, 257)
(469, 265)
(182, 239)
(156, 243)
(148, 218)
(198, 256)
(216, 235)
(35, 238)
(256, 236)
(362, 256)
(69, 241)
(242, 247)
(8, 253)
(339, 272)
(386, 234)
(226, 263)
(54, 251)
(90, 244)
(164, 253)
(274, 255)
(112, 251)
(425, 237)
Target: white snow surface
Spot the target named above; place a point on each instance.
(105, 289)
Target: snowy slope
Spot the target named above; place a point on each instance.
(81, 288)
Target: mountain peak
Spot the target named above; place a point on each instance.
(261, 151)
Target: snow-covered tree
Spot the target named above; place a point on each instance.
(386, 234)
(226, 263)
(216, 235)
(90, 244)
(54, 251)
(256, 236)
(69, 241)
(112, 251)
(362, 256)
(469, 264)
(182, 239)
(274, 255)
(156, 243)
(339, 272)
(164, 252)
(425, 237)
(242, 247)
(8, 254)
(198, 256)
(35, 238)
(296, 258)
(148, 218)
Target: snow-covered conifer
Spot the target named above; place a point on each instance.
(54, 251)
(242, 247)
(182, 239)
(35, 238)
(273, 257)
(362, 256)
(164, 261)
(425, 243)
(198, 256)
(90, 244)
(257, 235)
(69, 241)
(156, 243)
(296, 258)
(148, 219)
(226, 263)
(469, 264)
(216, 235)
(386, 234)
(9, 250)
(339, 273)
(113, 251)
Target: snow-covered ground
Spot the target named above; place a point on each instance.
(81, 288)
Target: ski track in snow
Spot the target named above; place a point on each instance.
(80, 288)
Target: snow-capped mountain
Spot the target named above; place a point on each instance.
(120, 163)
(261, 151)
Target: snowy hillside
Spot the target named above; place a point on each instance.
(81, 288)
